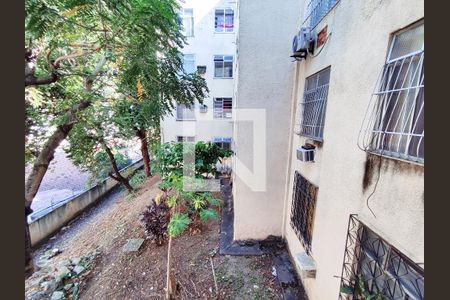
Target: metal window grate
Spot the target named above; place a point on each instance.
(313, 106)
(185, 139)
(394, 121)
(317, 10)
(303, 208)
(383, 270)
(223, 108)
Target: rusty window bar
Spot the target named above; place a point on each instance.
(381, 267)
(303, 210)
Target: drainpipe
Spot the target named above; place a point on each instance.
(290, 143)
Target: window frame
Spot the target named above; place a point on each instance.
(185, 108)
(220, 141)
(222, 114)
(223, 65)
(313, 18)
(185, 139)
(224, 9)
(310, 120)
(303, 210)
(184, 16)
(381, 140)
(369, 253)
(193, 59)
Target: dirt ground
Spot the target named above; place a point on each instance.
(141, 275)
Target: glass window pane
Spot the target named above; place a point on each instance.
(218, 69)
(219, 20)
(228, 69)
(408, 41)
(189, 63)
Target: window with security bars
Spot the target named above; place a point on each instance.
(185, 139)
(394, 122)
(223, 66)
(185, 113)
(223, 108)
(303, 209)
(224, 20)
(376, 268)
(189, 63)
(313, 105)
(316, 10)
(187, 18)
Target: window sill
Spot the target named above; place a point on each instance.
(314, 138)
(222, 77)
(233, 32)
(399, 157)
(181, 120)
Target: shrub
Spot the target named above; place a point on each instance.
(169, 158)
(137, 179)
(155, 219)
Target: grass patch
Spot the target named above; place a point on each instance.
(137, 179)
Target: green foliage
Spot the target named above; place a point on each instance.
(138, 41)
(209, 213)
(178, 223)
(169, 158)
(137, 179)
(359, 290)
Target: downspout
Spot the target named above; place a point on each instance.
(290, 143)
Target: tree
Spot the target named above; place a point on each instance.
(74, 49)
(154, 81)
(94, 144)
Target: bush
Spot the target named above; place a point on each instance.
(155, 219)
(169, 158)
(137, 179)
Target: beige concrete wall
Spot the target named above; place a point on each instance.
(43, 227)
(356, 52)
(265, 77)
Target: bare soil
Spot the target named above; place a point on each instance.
(141, 275)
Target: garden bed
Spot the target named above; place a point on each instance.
(141, 275)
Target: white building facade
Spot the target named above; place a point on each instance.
(210, 28)
(356, 209)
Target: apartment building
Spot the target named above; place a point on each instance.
(210, 28)
(345, 141)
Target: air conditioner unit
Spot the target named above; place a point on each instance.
(203, 108)
(306, 153)
(201, 69)
(302, 43)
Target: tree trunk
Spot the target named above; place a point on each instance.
(117, 176)
(169, 279)
(28, 260)
(44, 158)
(142, 135)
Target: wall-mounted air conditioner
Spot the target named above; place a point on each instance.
(203, 108)
(201, 69)
(303, 43)
(306, 153)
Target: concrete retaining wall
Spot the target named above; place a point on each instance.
(44, 226)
